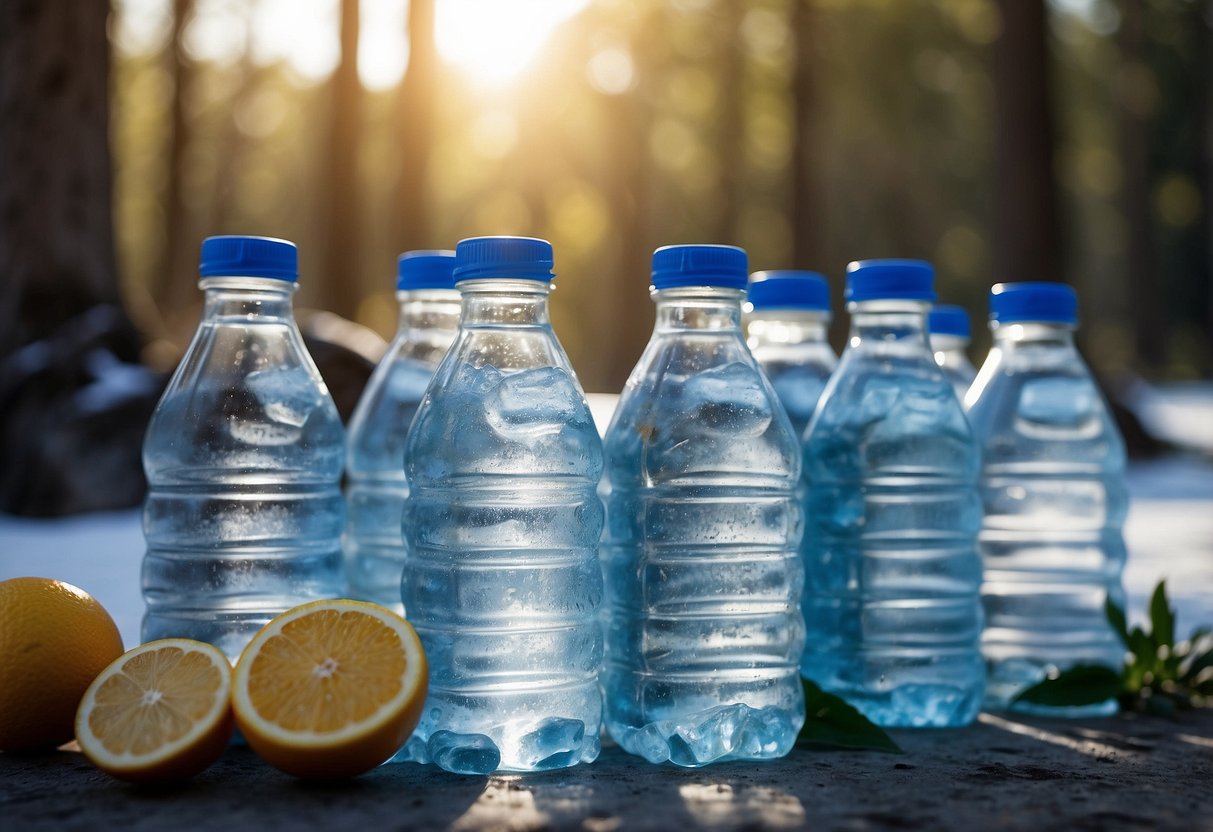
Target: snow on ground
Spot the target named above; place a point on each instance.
(1180, 413)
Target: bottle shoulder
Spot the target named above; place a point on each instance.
(1055, 417)
(244, 402)
(483, 422)
(698, 413)
(889, 422)
(386, 408)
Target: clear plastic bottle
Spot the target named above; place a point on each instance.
(1055, 499)
(891, 517)
(502, 524)
(702, 574)
(950, 336)
(429, 319)
(243, 456)
(786, 330)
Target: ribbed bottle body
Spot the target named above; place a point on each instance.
(376, 486)
(1055, 501)
(243, 457)
(891, 517)
(502, 523)
(703, 579)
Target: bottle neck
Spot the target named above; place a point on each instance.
(247, 298)
(428, 311)
(1033, 334)
(889, 322)
(788, 326)
(500, 302)
(698, 308)
(948, 343)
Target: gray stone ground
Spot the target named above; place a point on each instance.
(1003, 773)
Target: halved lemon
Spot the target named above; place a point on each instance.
(331, 688)
(161, 711)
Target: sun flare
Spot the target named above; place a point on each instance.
(492, 41)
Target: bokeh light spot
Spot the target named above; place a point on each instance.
(1177, 200)
(611, 71)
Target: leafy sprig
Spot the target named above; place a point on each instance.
(830, 723)
(1159, 676)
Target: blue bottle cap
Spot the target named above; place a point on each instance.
(236, 256)
(425, 270)
(726, 267)
(890, 280)
(1045, 302)
(787, 289)
(526, 258)
(949, 320)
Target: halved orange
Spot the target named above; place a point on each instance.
(331, 688)
(161, 711)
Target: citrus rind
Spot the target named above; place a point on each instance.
(354, 748)
(190, 753)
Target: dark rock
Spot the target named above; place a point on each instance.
(74, 414)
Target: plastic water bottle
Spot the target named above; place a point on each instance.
(891, 517)
(703, 627)
(786, 331)
(1055, 500)
(950, 335)
(243, 457)
(502, 523)
(429, 319)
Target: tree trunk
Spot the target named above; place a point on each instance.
(1026, 238)
(175, 284)
(624, 317)
(340, 283)
(1206, 58)
(1145, 311)
(56, 232)
(73, 407)
(807, 230)
(730, 130)
(415, 130)
(233, 142)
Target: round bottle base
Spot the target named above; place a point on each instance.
(553, 743)
(727, 732)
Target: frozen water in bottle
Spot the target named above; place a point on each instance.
(786, 330)
(892, 573)
(950, 335)
(243, 457)
(703, 578)
(1055, 500)
(429, 319)
(502, 523)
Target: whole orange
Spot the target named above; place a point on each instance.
(54, 640)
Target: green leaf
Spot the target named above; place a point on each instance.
(1086, 684)
(1116, 617)
(1145, 654)
(1162, 617)
(831, 723)
(1194, 667)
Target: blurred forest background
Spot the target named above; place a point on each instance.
(1012, 140)
(1001, 139)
